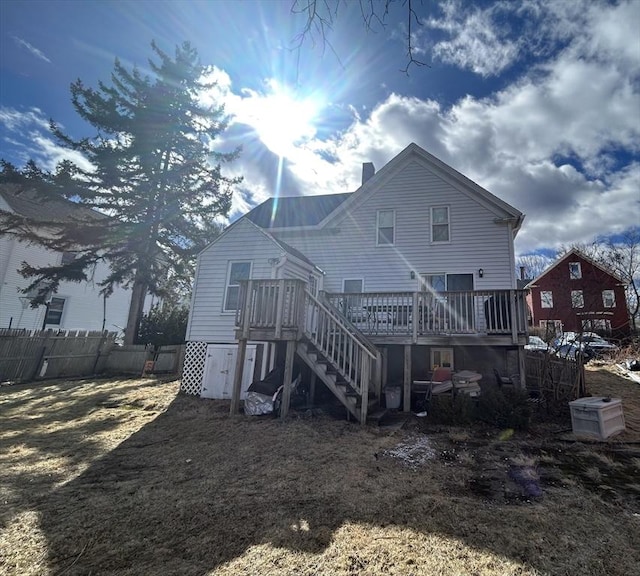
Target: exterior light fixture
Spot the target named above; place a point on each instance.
(413, 275)
(480, 272)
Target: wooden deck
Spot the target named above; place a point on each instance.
(277, 310)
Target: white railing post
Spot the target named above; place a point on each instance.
(248, 304)
(279, 308)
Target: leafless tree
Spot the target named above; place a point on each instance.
(533, 265)
(322, 14)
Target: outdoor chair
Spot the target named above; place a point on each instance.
(441, 382)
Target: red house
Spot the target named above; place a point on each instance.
(575, 294)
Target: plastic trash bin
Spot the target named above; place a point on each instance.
(392, 396)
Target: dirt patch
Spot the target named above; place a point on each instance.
(129, 477)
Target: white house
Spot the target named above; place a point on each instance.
(75, 306)
(414, 269)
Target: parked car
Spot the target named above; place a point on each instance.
(536, 343)
(596, 345)
(599, 345)
(574, 351)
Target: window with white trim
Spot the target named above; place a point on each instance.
(237, 271)
(608, 298)
(599, 324)
(440, 224)
(386, 227)
(575, 271)
(551, 328)
(441, 358)
(577, 299)
(55, 308)
(546, 299)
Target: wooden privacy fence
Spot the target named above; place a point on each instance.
(36, 355)
(31, 355)
(556, 381)
(133, 359)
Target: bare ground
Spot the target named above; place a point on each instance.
(129, 477)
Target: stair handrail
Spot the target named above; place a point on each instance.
(351, 357)
(345, 324)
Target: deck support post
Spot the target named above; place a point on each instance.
(237, 376)
(288, 373)
(522, 368)
(312, 389)
(385, 362)
(407, 378)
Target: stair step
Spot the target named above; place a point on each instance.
(374, 418)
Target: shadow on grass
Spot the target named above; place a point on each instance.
(194, 490)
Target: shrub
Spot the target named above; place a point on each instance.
(458, 411)
(504, 408)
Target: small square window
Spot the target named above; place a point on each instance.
(608, 298)
(546, 299)
(577, 299)
(575, 271)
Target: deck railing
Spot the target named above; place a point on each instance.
(423, 313)
(283, 305)
(270, 304)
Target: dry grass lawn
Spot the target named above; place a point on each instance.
(128, 477)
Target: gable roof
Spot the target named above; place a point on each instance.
(502, 209)
(295, 211)
(26, 202)
(573, 252)
(318, 211)
(290, 250)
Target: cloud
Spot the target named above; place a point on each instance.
(561, 143)
(28, 132)
(31, 48)
(476, 41)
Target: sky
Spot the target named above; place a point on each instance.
(538, 101)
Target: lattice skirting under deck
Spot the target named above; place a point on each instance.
(193, 371)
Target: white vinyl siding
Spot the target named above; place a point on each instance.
(244, 242)
(88, 309)
(345, 249)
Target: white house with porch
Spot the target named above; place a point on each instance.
(413, 270)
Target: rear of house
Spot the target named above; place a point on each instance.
(419, 261)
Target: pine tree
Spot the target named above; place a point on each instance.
(154, 179)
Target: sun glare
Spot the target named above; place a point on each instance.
(283, 119)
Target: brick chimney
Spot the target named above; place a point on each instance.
(368, 170)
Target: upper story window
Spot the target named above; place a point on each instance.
(577, 299)
(54, 311)
(608, 298)
(237, 271)
(386, 227)
(546, 299)
(67, 258)
(575, 271)
(440, 224)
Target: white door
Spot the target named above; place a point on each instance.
(219, 369)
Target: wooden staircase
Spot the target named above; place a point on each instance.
(340, 386)
(341, 356)
(344, 359)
